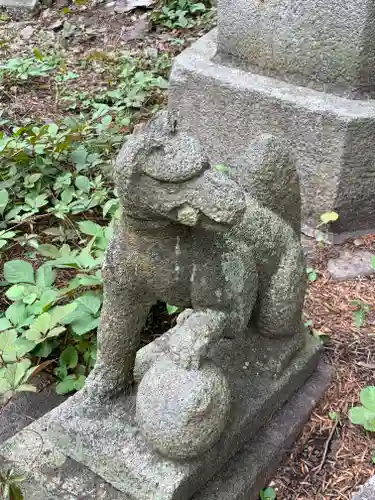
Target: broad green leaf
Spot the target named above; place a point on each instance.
(14, 375)
(85, 325)
(85, 260)
(90, 228)
(23, 346)
(69, 357)
(79, 157)
(16, 493)
(13, 347)
(26, 388)
(53, 129)
(34, 335)
(7, 345)
(359, 318)
(16, 313)
(90, 302)
(30, 298)
(79, 383)
(106, 120)
(172, 309)
(44, 349)
(45, 276)
(43, 323)
(4, 199)
(367, 398)
(5, 324)
(268, 494)
(58, 313)
(55, 332)
(48, 250)
(18, 271)
(369, 424)
(90, 280)
(66, 385)
(328, 217)
(359, 414)
(83, 183)
(48, 298)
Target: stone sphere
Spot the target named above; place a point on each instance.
(182, 413)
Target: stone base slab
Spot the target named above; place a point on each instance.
(27, 4)
(262, 374)
(51, 475)
(331, 137)
(367, 491)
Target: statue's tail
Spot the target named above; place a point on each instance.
(266, 171)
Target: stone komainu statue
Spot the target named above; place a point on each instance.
(223, 244)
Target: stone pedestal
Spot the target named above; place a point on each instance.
(82, 450)
(303, 71)
(27, 4)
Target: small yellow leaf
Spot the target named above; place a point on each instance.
(329, 217)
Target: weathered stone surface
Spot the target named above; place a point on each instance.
(315, 40)
(182, 412)
(26, 407)
(198, 239)
(367, 492)
(106, 439)
(331, 138)
(252, 468)
(50, 475)
(53, 476)
(27, 4)
(351, 265)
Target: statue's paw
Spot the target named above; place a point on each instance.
(99, 388)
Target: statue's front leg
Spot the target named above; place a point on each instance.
(187, 344)
(123, 317)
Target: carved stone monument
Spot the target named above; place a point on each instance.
(27, 4)
(301, 70)
(172, 420)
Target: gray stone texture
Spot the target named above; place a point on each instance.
(251, 469)
(27, 4)
(199, 240)
(106, 438)
(182, 412)
(313, 42)
(26, 407)
(53, 476)
(367, 492)
(225, 246)
(330, 137)
(351, 265)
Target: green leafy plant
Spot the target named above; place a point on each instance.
(180, 13)
(334, 416)
(361, 312)
(23, 68)
(173, 309)
(268, 494)
(321, 228)
(365, 415)
(312, 274)
(10, 486)
(58, 205)
(321, 337)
